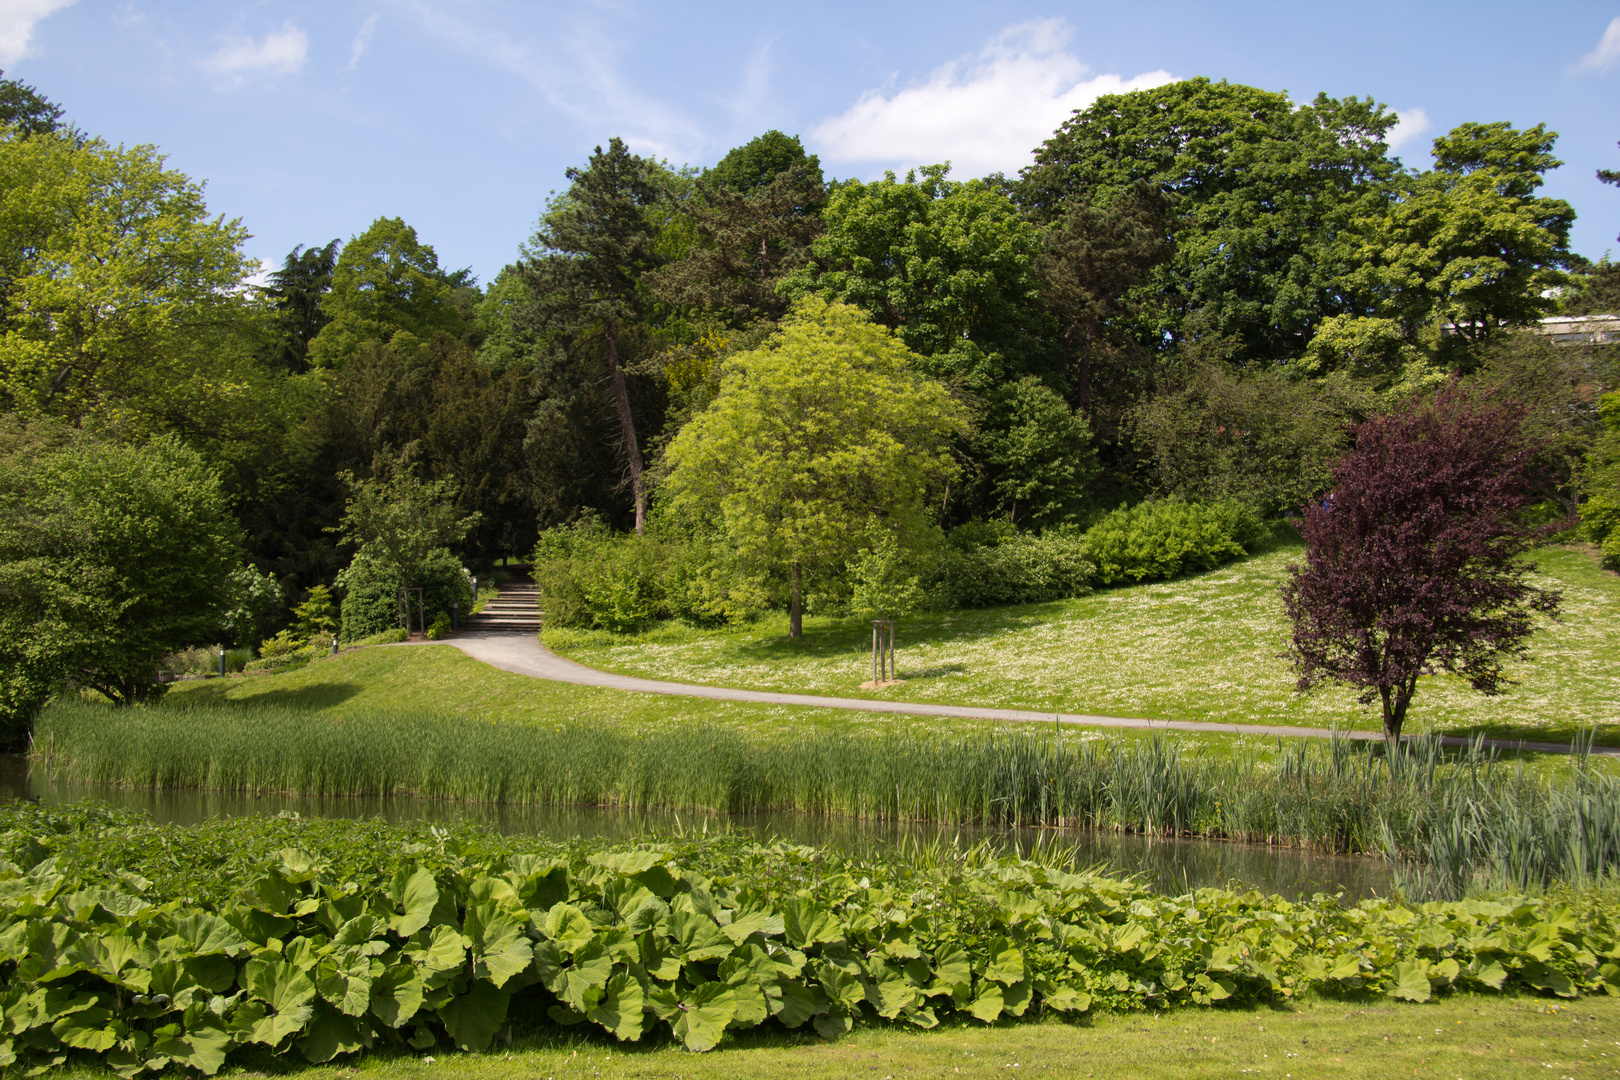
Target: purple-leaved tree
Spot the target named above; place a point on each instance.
(1415, 561)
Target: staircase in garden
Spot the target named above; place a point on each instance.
(516, 610)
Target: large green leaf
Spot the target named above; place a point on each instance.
(889, 990)
(441, 948)
(804, 924)
(703, 1015)
(567, 926)
(396, 995)
(1408, 981)
(202, 1047)
(501, 948)
(987, 1006)
(1005, 964)
(278, 983)
(344, 979)
(621, 1008)
(701, 938)
(747, 922)
(473, 1018)
(331, 1034)
(799, 1003)
(414, 895)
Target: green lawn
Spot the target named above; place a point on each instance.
(443, 680)
(1199, 648)
(1475, 1037)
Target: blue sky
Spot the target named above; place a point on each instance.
(309, 120)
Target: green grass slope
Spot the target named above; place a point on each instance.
(1198, 648)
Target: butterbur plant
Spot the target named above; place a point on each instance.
(378, 935)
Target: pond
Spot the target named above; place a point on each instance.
(1169, 864)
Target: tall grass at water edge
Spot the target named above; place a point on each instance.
(1455, 820)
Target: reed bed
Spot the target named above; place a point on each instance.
(1456, 819)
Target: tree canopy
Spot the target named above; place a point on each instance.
(111, 557)
(826, 428)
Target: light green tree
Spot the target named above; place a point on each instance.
(398, 520)
(111, 557)
(824, 429)
(386, 282)
(118, 287)
(1469, 244)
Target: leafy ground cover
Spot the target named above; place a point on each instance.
(143, 945)
(1205, 647)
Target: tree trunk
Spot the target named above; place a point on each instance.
(1397, 699)
(795, 609)
(627, 423)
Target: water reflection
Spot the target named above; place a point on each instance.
(1170, 865)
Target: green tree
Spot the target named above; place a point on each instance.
(398, 521)
(1266, 438)
(948, 266)
(386, 282)
(1041, 456)
(456, 417)
(111, 557)
(826, 428)
(117, 289)
(753, 216)
(295, 293)
(22, 107)
(1268, 193)
(1094, 264)
(585, 267)
(1469, 246)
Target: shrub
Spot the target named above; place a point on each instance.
(704, 587)
(371, 597)
(591, 577)
(195, 661)
(988, 563)
(385, 637)
(440, 628)
(1156, 540)
(283, 643)
(237, 659)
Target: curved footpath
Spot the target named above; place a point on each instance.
(523, 654)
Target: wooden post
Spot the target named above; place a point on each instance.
(883, 670)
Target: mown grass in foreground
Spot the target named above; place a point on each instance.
(1204, 647)
(1512, 1038)
(1457, 817)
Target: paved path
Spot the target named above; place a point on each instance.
(523, 654)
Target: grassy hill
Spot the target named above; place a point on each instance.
(1198, 648)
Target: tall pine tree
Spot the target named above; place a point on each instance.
(584, 270)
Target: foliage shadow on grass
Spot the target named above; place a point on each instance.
(322, 695)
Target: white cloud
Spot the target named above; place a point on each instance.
(981, 113)
(1412, 123)
(576, 70)
(1607, 52)
(17, 21)
(362, 40)
(280, 51)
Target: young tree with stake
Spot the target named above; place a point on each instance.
(1414, 561)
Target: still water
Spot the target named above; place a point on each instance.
(1171, 865)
